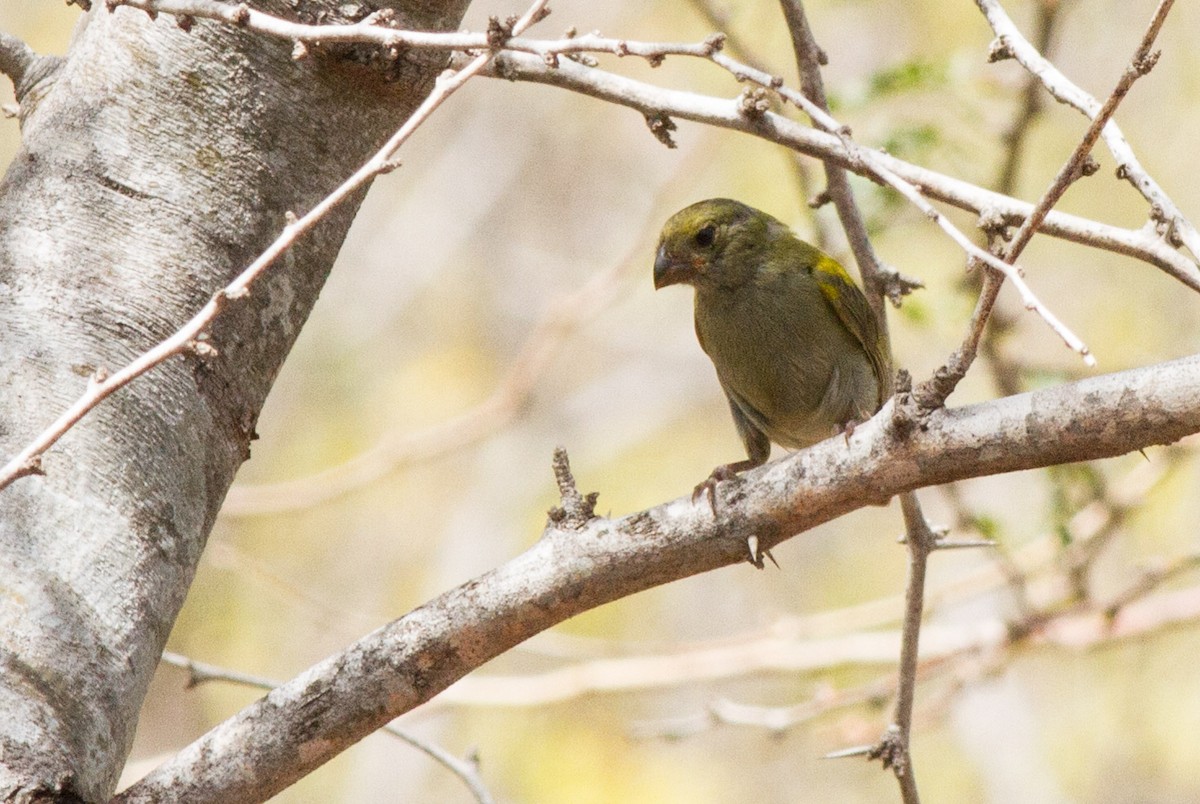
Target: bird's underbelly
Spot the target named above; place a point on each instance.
(797, 380)
(804, 399)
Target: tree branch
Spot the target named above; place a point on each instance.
(465, 769)
(1011, 43)
(190, 337)
(302, 724)
(935, 391)
(655, 101)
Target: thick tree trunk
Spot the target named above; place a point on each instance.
(156, 164)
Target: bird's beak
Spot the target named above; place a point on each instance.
(670, 271)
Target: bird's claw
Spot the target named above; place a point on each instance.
(709, 486)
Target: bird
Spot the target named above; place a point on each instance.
(795, 344)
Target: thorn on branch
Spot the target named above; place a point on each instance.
(241, 15)
(1000, 50)
(1089, 166)
(576, 510)
(896, 285)
(891, 751)
(185, 22)
(935, 535)
(661, 127)
(756, 555)
(820, 199)
(962, 544)
(845, 753)
(299, 51)
(86, 5)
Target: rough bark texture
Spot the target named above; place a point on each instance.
(155, 165)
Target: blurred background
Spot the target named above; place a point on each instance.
(494, 301)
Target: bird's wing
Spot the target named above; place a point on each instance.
(851, 307)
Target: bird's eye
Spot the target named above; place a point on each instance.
(704, 237)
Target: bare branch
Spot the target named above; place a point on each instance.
(310, 719)
(809, 58)
(537, 60)
(1032, 101)
(1012, 43)
(465, 769)
(936, 390)
(190, 337)
(723, 113)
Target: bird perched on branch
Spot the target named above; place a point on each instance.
(795, 344)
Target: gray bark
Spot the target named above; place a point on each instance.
(156, 163)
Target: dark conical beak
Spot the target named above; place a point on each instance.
(670, 271)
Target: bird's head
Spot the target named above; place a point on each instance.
(713, 243)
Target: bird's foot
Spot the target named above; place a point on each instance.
(708, 487)
(709, 484)
(847, 429)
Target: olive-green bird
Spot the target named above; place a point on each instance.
(794, 342)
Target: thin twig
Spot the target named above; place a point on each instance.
(1032, 101)
(520, 56)
(935, 391)
(465, 769)
(1010, 42)
(809, 58)
(548, 51)
(870, 163)
(1005, 372)
(188, 338)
